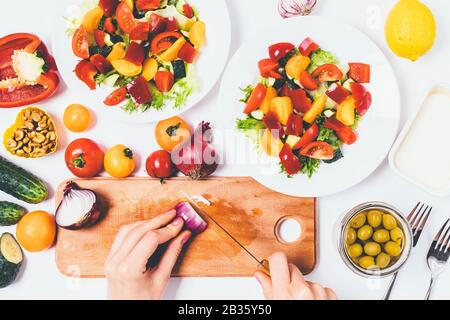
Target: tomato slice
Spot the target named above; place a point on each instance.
(110, 27)
(164, 41)
(80, 44)
(141, 32)
(99, 37)
(300, 100)
(187, 53)
(344, 133)
(108, 6)
(256, 98)
(308, 46)
(116, 97)
(157, 24)
(101, 63)
(188, 11)
(307, 81)
(125, 17)
(289, 160)
(135, 53)
(138, 89)
(164, 81)
(86, 72)
(318, 150)
(358, 91)
(360, 72)
(146, 5)
(269, 69)
(294, 125)
(327, 72)
(364, 105)
(280, 50)
(309, 136)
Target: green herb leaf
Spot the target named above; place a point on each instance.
(247, 93)
(249, 124)
(310, 166)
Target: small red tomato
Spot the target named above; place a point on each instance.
(159, 165)
(84, 158)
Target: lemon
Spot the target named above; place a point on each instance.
(410, 29)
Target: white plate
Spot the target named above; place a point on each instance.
(209, 65)
(377, 130)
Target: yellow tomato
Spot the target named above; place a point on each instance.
(282, 107)
(271, 93)
(172, 132)
(119, 161)
(126, 68)
(92, 19)
(36, 231)
(197, 34)
(296, 65)
(150, 69)
(118, 52)
(77, 118)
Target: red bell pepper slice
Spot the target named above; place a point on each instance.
(360, 72)
(187, 53)
(269, 69)
(294, 125)
(337, 93)
(99, 36)
(289, 160)
(110, 27)
(157, 24)
(307, 81)
(300, 100)
(138, 89)
(256, 98)
(280, 50)
(135, 53)
(308, 46)
(364, 105)
(101, 63)
(188, 11)
(309, 136)
(140, 32)
(273, 124)
(344, 133)
(171, 25)
(86, 72)
(146, 5)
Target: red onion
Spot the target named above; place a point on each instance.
(291, 8)
(197, 158)
(78, 209)
(191, 218)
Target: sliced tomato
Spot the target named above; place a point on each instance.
(360, 72)
(318, 150)
(80, 44)
(358, 91)
(187, 53)
(135, 53)
(157, 24)
(256, 98)
(273, 123)
(364, 105)
(172, 25)
(116, 97)
(86, 72)
(327, 72)
(125, 17)
(308, 46)
(280, 50)
(164, 41)
(101, 63)
(344, 133)
(188, 11)
(289, 160)
(269, 69)
(294, 125)
(108, 6)
(307, 81)
(146, 5)
(99, 36)
(138, 89)
(110, 26)
(164, 80)
(337, 93)
(300, 100)
(309, 136)
(141, 32)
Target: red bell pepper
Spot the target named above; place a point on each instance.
(101, 63)
(269, 69)
(290, 161)
(138, 89)
(273, 124)
(13, 92)
(344, 133)
(86, 72)
(187, 53)
(135, 53)
(188, 11)
(294, 125)
(300, 100)
(308, 46)
(337, 93)
(360, 72)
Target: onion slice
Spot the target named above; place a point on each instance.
(191, 218)
(291, 8)
(78, 209)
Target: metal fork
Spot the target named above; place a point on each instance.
(417, 220)
(438, 255)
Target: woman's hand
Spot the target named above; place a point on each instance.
(126, 265)
(287, 282)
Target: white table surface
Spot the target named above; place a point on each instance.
(41, 280)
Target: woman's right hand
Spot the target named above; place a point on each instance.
(287, 282)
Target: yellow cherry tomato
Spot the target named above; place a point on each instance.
(36, 231)
(77, 118)
(197, 34)
(119, 161)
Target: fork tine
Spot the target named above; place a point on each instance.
(437, 239)
(419, 215)
(425, 219)
(411, 215)
(443, 243)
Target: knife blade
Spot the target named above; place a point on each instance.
(262, 264)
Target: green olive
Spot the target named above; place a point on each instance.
(367, 262)
(365, 233)
(389, 222)
(397, 235)
(383, 260)
(355, 250)
(358, 221)
(393, 249)
(372, 249)
(375, 218)
(381, 236)
(351, 236)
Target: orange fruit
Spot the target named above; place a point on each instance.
(77, 118)
(36, 231)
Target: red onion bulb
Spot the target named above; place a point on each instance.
(191, 218)
(291, 8)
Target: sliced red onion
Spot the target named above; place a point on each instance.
(78, 209)
(191, 218)
(291, 8)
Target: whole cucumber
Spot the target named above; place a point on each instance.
(10, 213)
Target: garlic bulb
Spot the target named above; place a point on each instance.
(291, 8)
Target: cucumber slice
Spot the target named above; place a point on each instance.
(11, 257)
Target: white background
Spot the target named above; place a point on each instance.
(41, 280)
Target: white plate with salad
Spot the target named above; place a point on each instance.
(142, 61)
(319, 102)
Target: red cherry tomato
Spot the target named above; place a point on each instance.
(307, 81)
(279, 50)
(308, 46)
(164, 80)
(256, 98)
(159, 165)
(360, 72)
(84, 158)
(327, 72)
(125, 17)
(80, 44)
(118, 96)
(318, 150)
(309, 136)
(289, 160)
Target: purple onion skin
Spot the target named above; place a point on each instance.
(192, 220)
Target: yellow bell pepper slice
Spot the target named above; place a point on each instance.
(172, 53)
(271, 145)
(271, 93)
(92, 19)
(117, 52)
(316, 109)
(126, 68)
(150, 69)
(130, 4)
(346, 111)
(197, 34)
(296, 65)
(283, 108)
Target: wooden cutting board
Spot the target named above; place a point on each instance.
(248, 210)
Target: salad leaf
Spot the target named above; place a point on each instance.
(247, 93)
(76, 15)
(179, 93)
(249, 124)
(321, 57)
(324, 134)
(310, 166)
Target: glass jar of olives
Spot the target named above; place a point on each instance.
(374, 240)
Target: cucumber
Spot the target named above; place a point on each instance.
(179, 69)
(10, 213)
(21, 184)
(11, 257)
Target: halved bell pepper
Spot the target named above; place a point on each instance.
(316, 109)
(27, 71)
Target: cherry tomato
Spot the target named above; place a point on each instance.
(108, 6)
(309, 136)
(308, 46)
(80, 44)
(164, 41)
(279, 50)
(344, 133)
(188, 11)
(77, 118)
(187, 53)
(135, 54)
(164, 81)
(125, 17)
(294, 125)
(84, 158)
(300, 100)
(364, 105)
(307, 81)
(146, 5)
(101, 63)
(119, 161)
(327, 72)
(358, 91)
(157, 24)
(140, 33)
(318, 150)
(99, 36)
(289, 160)
(360, 72)
(159, 165)
(269, 69)
(86, 72)
(118, 96)
(256, 98)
